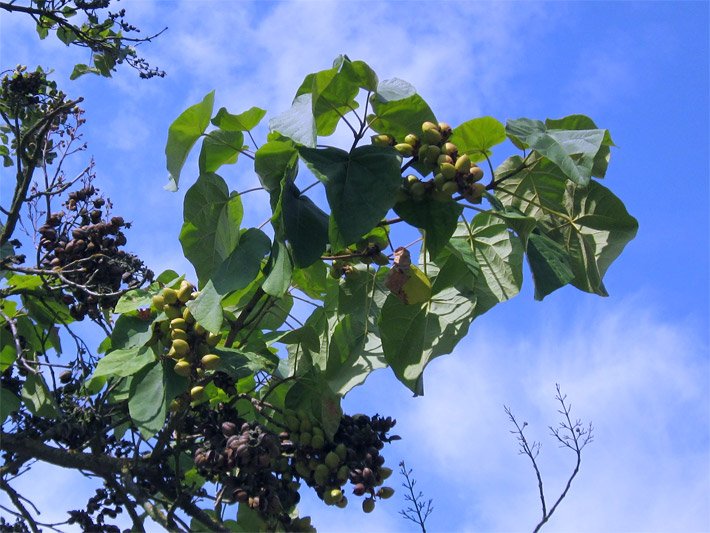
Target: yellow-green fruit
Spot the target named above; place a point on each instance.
(210, 361)
(302, 470)
(173, 354)
(444, 158)
(158, 302)
(404, 149)
(172, 312)
(427, 126)
(448, 171)
(306, 424)
(476, 172)
(213, 339)
(199, 329)
(450, 188)
(170, 296)
(178, 323)
(197, 393)
(293, 423)
(368, 505)
(185, 292)
(463, 164)
(385, 492)
(182, 367)
(332, 496)
(343, 473)
(385, 472)
(200, 371)
(187, 316)
(341, 451)
(422, 152)
(321, 474)
(439, 180)
(343, 503)
(411, 178)
(382, 140)
(332, 460)
(432, 154)
(178, 334)
(449, 149)
(317, 442)
(431, 133)
(411, 139)
(181, 347)
(306, 438)
(445, 129)
(417, 189)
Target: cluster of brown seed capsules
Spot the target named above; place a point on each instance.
(432, 151)
(190, 343)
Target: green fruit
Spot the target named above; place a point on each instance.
(445, 129)
(181, 347)
(306, 424)
(448, 171)
(385, 492)
(342, 451)
(182, 367)
(463, 164)
(178, 334)
(306, 438)
(292, 422)
(321, 474)
(411, 178)
(368, 505)
(333, 496)
(450, 188)
(185, 292)
(404, 149)
(422, 152)
(382, 139)
(432, 154)
(158, 302)
(317, 441)
(343, 473)
(439, 180)
(332, 460)
(302, 470)
(411, 139)
(170, 296)
(178, 323)
(476, 173)
(197, 393)
(449, 149)
(171, 311)
(199, 329)
(428, 126)
(417, 190)
(444, 158)
(440, 196)
(213, 339)
(385, 472)
(210, 361)
(343, 503)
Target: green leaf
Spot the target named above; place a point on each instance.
(220, 148)
(81, 69)
(414, 335)
(360, 185)
(210, 231)
(312, 281)
(573, 151)
(548, 263)
(131, 332)
(400, 117)
(132, 301)
(9, 403)
(437, 219)
(207, 308)
(37, 398)
(245, 121)
(182, 135)
(147, 403)
(298, 123)
(582, 122)
(477, 136)
(333, 96)
(123, 363)
(359, 72)
(273, 161)
(243, 264)
(278, 280)
(305, 226)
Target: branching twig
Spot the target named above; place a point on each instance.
(421, 509)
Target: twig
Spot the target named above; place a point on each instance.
(421, 510)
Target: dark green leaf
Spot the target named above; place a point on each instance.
(132, 301)
(9, 403)
(81, 69)
(220, 148)
(243, 264)
(37, 398)
(400, 117)
(182, 135)
(278, 280)
(131, 332)
(360, 185)
(305, 225)
(242, 122)
(312, 280)
(437, 219)
(207, 308)
(477, 136)
(273, 161)
(582, 122)
(123, 363)
(147, 403)
(548, 263)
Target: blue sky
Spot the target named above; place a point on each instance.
(635, 364)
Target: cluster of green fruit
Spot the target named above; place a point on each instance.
(353, 455)
(84, 245)
(190, 344)
(432, 152)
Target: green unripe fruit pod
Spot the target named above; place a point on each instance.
(321, 474)
(406, 150)
(317, 441)
(178, 334)
(343, 473)
(445, 129)
(306, 424)
(448, 171)
(332, 496)
(411, 139)
(172, 312)
(332, 460)
(343, 503)
(421, 153)
(187, 316)
(428, 126)
(292, 422)
(450, 188)
(385, 492)
(185, 293)
(210, 361)
(341, 451)
(441, 196)
(411, 178)
(432, 154)
(170, 296)
(199, 329)
(302, 470)
(368, 505)
(182, 368)
(213, 339)
(181, 347)
(306, 438)
(439, 180)
(463, 164)
(385, 472)
(178, 323)
(444, 158)
(476, 173)
(158, 302)
(173, 354)
(382, 139)
(449, 149)
(417, 190)
(197, 393)
(431, 136)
